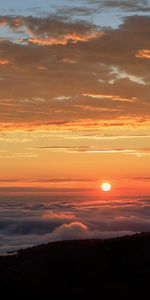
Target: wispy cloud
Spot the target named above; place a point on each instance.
(23, 155)
(46, 180)
(93, 149)
(73, 38)
(125, 5)
(109, 97)
(120, 74)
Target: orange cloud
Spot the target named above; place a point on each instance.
(74, 125)
(13, 22)
(91, 108)
(4, 62)
(144, 53)
(111, 97)
(72, 37)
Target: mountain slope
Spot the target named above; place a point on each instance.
(115, 267)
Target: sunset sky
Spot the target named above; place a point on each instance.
(74, 101)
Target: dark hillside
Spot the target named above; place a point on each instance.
(115, 267)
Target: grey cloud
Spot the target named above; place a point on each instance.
(78, 230)
(75, 11)
(129, 5)
(125, 5)
(27, 222)
(33, 223)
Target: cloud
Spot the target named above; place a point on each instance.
(75, 11)
(16, 155)
(77, 230)
(109, 97)
(93, 149)
(35, 219)
(52, 30)
(123, 75)
(142, 178)
(62, 98)
(74, 38)
(45, 180)
(4, 62)
(144, 53)
(29, 221)
(125, 5)
(88, 63)
(70, 231)
(31, 189)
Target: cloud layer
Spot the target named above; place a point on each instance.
(25, 221)
(73, 72)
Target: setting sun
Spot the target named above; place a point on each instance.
(106, 187)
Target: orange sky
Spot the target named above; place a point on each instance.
(74, 102)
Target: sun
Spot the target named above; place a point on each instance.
(106, 186)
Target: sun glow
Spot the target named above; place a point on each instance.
(106, 187)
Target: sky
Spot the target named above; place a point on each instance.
(74, 112)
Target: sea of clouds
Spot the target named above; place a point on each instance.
(28, 221)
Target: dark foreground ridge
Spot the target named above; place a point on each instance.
(83, 268)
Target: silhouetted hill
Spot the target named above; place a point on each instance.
(114, 267)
